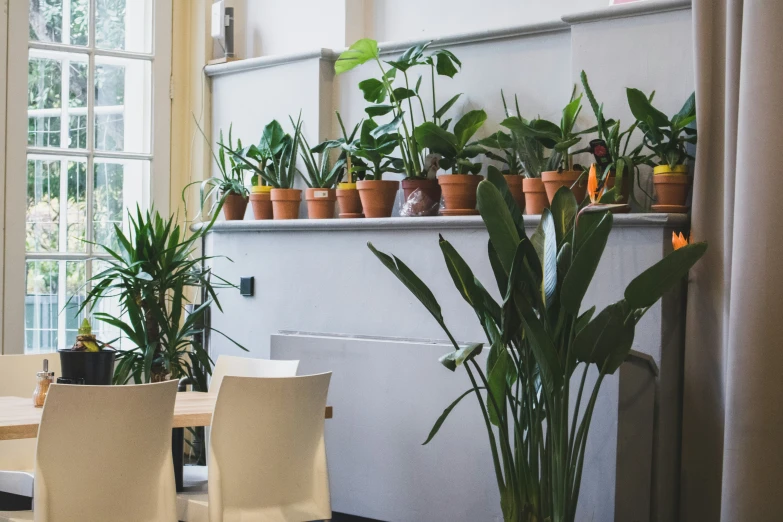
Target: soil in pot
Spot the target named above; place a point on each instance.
(349, 201)
(459, 194)
(234, 207)
(378, 197)
(93, 368)
(285, 203)
(261, 202)
(553, 180)
(671, 185)
(536, 199)
(320, 203)
(514, 183)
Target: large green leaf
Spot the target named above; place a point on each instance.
(436, 139)
(495, 177)
(374, 90)
(607, 339)
(467, 126)
(645, 290)
(541, 344)
(584, 265)
(445, 414)
(360, 52)
(643, 110)
(411, 281)
(446, 106)
(462, 276)
(499, 377)
(564, 208)
(457, 358)
(548, 257)
(500, 225)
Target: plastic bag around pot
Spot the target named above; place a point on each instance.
(418, 204)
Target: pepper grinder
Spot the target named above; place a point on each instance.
(44, 379)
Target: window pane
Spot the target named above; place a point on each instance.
(59, 21)
(43, 205)
(75, 292)
(124, 24)
(77, 132)
(123, 104)
(76, 217)
(118, 186)
(43, 131)
(44, 79)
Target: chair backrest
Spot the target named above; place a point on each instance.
(267, 457)
(104, 453)
(247, 367)
(17, 379)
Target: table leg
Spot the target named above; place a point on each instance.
(178, 455)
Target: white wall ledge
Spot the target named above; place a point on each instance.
(645, 7)
(423, 223)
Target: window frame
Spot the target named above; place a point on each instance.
(14, 189)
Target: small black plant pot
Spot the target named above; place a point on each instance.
(96, 368)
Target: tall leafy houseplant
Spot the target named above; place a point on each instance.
(612, 153)
(152, 274)
(539, 335)
(668, 140)
(321, 180)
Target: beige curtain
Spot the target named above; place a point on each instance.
(732, 458)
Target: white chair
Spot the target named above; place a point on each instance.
(194, 478)
(104, 453)
(17, 457)
(267, 458)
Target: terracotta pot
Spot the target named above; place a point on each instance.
(349, 201)
(671, 186)
(261, 202)
(234, 207)
(514, 183)
(553, 180)
(459, 193)
(320, 203)
(285, 203)
(429, 187)
(536, 199)
(378, 197)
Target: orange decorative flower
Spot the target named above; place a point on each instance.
(678, 240)
(592, 186)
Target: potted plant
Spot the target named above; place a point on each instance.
(538, 337)
(88, 361)
(667, 139)
(618, 166)
(281, 174)
(375, 148)
(456, 154)
(559, 139)
(227, 190)
(347, 194)
(265, 154)
(399, 102)
(321, 180)
(153, 274)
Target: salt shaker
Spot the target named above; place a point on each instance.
(44, 379)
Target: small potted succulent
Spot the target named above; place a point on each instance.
(88, 361)
(456, 154)
(321, 180)
(667, 139)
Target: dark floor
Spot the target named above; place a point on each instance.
(342, 517)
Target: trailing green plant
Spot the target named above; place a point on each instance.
(618, 159)
(666, 138)
(283, 152)
(557, 138)
(539, 335)
(152, 273)
(321, 173)
(230, 178)
(388, 99)
(454, 148)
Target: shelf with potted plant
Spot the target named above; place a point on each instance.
(414, 160)
(283, 151)
(347, 194)
(618, 164)
(668, 140)
(321, 180)
(269, 148)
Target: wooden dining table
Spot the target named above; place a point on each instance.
(19, 419)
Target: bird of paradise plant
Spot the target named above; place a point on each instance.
(679, 241)
(538, 335)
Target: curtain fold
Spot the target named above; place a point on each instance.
(732, 464)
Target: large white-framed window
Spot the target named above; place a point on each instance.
(88, 139)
